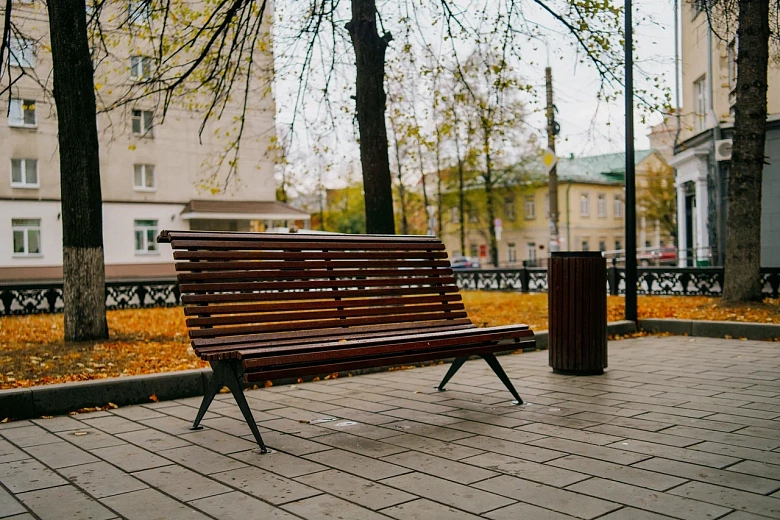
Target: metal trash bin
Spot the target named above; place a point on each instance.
(577, 308)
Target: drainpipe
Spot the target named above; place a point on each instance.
(716, 134)
(677, 72)
(568, 219)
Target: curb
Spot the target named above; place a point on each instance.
(613, 327)
(712, 329)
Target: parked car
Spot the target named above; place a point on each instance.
(462, 262)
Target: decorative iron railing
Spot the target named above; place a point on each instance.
(37, 297)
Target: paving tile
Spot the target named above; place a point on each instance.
(181, 483)
(708, 424)
(153, 440)
(28, 475)
(361, 416)
(572, 434)
(64, 502)
(367, 493)
(185, 413)
(31, 435)
(265, 485)
(462, 497)
(280, 463)
(169, 425)
(290, 443)
(523, 510)
(737, 439)
(359, 404)
(761, 469)
(489, 418)
(130, 457)
(139, 413)
(435, 447)
(424, 417)
(202, 460)
(370, 431)
(59, 424)
(626, 474)
(730, 451)
(423, 509)
(433, 431)
(228, 425)
(360, 445)
(219, 441)
(60, 454)
(489, 430)
(284, 425)
(544, 473)
(649, 500)
(10, 453)
(513, 449)
(741, 515)
(326, 506)
(90, 438)
(9, 506)
(113, 424)
(727, 478)
(235, 504)
(151, 504)
(438, 467)
(550, 497)
(14, 424)
(362, 466)
(683, 454)
(607, 453)
(629, 513)
(643, 435)
(101, 479)
(732, 498)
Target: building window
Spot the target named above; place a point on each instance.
(531, 253)
(618, 244)
(602, 205)
(27, 236)
(455, 215)
(143, 123)
(22, 113)
(648, 245)
(700, 103)
(585, 204)
(22, 52)
(24, 173)
(585, 244)
(530, 208)
(140, 67)
(602, 245)
(139, 12)
(618, 206)
(143, 177)
(509, 210)
(473, 250)
(511, 251)
(145, 236)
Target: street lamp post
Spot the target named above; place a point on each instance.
(631, 311)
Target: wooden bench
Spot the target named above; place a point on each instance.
(264, 306)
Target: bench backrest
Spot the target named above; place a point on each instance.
(258, 287)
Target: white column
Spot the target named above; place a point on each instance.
(642, 231)
(682, 239)
(702, 219)
(657, 233)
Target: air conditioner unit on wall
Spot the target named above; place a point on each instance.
(723, 150)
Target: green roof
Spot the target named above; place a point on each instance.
(601, 169)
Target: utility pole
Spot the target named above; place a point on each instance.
(552, 130)
(631, 275)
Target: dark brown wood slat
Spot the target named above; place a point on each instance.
(307, 274)
(319, 335)
(347, 322)
(268, 356)
(338, 330)
(312, 255)
(405, 359)
(291, 237)
(310, 264)
(189, 299)
(260, 244)
(312, 284)
(211, 310)
(295, 317)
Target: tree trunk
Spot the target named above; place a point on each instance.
(461, 199)
(370, 101)
(743, 226)
(490, 203)
(82, 212)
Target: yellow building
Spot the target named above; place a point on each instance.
(591, 214)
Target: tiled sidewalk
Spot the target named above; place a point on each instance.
(677, 427)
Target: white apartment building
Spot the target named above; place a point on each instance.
(154, 174)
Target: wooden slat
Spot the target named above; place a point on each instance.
(211, 310)
(310, 255)
(347, 322)
(264, 243)
(338, 330)
(166, 235)
(309, 265)
(268, 356)
(189, 299)
(312, 284)
(311, 274)
(295, 317)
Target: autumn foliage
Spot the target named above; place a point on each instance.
(144, 341)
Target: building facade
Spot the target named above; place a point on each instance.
(155, 173)
(703, 143)
(591, 211)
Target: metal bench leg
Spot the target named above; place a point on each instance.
(215, 384)
(496, 366)
(228, 374)
(454, 367)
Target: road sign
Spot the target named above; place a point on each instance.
(549, 159)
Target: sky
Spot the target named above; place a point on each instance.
(588, 126)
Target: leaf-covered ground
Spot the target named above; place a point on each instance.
(143, 341)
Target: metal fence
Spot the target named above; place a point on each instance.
(36, 297)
